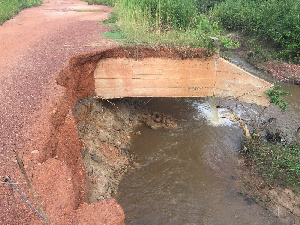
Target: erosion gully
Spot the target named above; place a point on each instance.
(188, 175)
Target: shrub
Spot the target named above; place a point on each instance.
(277, 163)
(274, 21)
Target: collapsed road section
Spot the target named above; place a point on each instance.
(54, 153)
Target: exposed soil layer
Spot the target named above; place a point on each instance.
(285, 72)
(283, 203)
(105, 128)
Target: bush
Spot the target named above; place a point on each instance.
(204, 6)
(274, 21)
(277, 163)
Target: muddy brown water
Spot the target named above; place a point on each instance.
(187, 175)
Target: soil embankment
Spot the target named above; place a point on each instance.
(284, 203)
(105, 127)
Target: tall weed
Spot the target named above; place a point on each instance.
(165, 22)
(204, 6)
(274, 21)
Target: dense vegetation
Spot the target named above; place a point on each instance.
(9, 8)
(169, 22)
(186, 22)
(274, 21)
(278, 163)
(164, 22)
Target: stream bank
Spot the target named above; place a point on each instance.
(105, 126)
(110, 147)
(281, 201)
(187, 175)
(261, 56)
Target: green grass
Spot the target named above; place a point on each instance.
(277, 163)
(273, 21)
(9, 8)
(162, 22)
(101, 2)
(273, 26)
(115, 35)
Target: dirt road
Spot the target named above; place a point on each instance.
(36, 114)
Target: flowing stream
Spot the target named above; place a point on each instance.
(187, 175)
